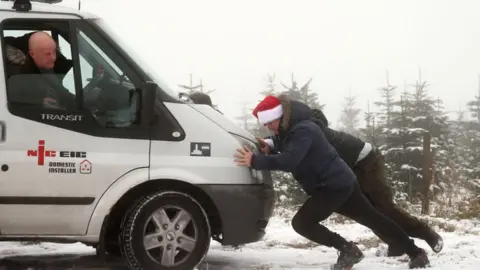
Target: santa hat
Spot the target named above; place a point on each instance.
(269, 109)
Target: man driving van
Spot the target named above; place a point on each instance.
(47, 69)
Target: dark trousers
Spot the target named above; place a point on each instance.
(371, 175)
(351, 203)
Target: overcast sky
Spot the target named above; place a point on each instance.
(342, 44)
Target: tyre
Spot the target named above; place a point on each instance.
(165, 230)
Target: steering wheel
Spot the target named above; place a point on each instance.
(93, 84)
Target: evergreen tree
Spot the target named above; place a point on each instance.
(399, 169)
(349, 118)
(303, 94)
(387, 104)
(371, 133)
(271, 87)
(474, 106)
(473, 136)
(418, 114)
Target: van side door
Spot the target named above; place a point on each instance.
(69, 132)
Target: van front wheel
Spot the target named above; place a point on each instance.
(166, 230)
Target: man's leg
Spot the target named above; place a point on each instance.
(318, 207)
(371, 178)
(359, 209)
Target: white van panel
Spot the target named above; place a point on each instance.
(173, 159)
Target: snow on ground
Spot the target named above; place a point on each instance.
(282, 248)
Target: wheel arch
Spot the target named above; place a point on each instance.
(112, 223)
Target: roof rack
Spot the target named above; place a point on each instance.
(26, 5)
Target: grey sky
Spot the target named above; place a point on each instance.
(342, 44)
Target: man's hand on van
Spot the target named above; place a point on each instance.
(50, 103)
(243, 157)
(263, 145)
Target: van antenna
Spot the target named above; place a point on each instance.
(79, 4)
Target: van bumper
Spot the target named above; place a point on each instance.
(244, 211)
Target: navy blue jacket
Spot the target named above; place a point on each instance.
(305, 152)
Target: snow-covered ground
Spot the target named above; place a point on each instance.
(282, 248)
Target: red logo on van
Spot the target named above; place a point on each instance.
(41, 153)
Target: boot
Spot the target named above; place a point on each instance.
(349, 255)
(435, 241)
(419, 261)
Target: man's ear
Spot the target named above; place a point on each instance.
(30, 53)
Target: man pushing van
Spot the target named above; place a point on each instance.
(304, 151)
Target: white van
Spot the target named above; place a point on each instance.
(116, 161)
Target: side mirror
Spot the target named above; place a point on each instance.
(149, 96)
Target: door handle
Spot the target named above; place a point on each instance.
(3, 131)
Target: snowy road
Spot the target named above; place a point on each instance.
(281, 249)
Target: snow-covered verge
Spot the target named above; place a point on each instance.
(282, 248)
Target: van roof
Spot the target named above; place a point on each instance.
(48, 8)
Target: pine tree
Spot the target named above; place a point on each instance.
(473, 135)
(349, 119)
(459, 188)
(371, 133)
(303, 94)
(399, 169)
(418, 113)
(271, 88)
(387, 104)
(474, 105)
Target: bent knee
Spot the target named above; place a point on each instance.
(300, 223)
(296, 222)
(385, 207)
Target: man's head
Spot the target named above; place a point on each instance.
(269, 112)
(201, 98)
(43, 50)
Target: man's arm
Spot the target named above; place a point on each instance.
(296, 148)
(272, 144)
(62, 65)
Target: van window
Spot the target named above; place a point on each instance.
(22, 73)
(87, 77)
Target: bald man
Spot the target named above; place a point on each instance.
(44, 86)
(202, 98)
(43, 50)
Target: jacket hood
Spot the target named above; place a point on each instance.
(293, 112)
(14, 55)
(320, 116)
